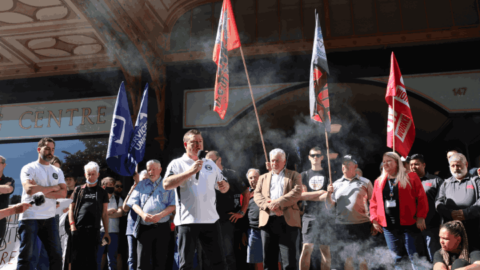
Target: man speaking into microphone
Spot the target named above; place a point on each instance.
(196, 215)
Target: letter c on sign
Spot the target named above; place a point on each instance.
(21, 118)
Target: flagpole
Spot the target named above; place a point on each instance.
(328, 156)
(393, 104)
(254, 106)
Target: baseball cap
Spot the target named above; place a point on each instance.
(347, 158)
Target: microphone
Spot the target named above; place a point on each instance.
(37, 199)
(201, 155)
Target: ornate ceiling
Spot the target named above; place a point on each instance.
(47, 37)
(54, 37)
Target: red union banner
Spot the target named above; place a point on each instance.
(400, 121)
(227, 39)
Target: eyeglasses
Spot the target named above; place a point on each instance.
(316, 155)
(119, 186)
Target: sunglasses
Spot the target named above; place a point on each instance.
(118, 186)
(316, 155)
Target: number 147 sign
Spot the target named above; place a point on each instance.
(460, 91)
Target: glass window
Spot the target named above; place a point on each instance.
(74, 154)
(246, 20)
(180, 37)
(291, 23)
(267, 21)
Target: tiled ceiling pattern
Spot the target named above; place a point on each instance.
(47, 37)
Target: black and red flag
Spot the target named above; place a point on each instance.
(319, 101)
(227, 39)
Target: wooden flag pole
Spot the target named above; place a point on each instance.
(328, 157)
(254, 106)
(393, 103)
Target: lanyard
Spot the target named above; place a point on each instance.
(391, 189)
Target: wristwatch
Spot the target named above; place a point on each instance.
(241, 213)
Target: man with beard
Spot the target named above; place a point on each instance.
(431, 185)
(41, 176)
(114, 211)
(195, 181)
(458, 199)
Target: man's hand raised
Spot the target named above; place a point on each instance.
(196, 167)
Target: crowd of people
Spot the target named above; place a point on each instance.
(201, 215)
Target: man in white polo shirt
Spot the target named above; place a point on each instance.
(40, 176)
(196, 215)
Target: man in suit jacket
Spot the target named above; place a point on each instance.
(276, 195)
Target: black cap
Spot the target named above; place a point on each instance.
(348, 158)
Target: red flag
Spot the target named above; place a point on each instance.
(227, 39)
(319, 100)
(403, 126)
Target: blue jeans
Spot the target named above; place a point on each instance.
(401, 242)
(47, 231)
(112, 251)
(132, 252)
(41, 256)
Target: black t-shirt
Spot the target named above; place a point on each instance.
(253, 212)
(437, 257)
(392, 214)
(230, 201)
(88, 211)
(314, 181)
(4, 198)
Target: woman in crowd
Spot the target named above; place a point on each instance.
(398, 208)
(455, 252)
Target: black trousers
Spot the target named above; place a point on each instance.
(228, 230)
(152, 246)
(84, 247)
(210, 239)
(278, 236)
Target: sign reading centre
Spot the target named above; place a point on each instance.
(56, 118)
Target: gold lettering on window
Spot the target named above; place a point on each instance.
(71, 115)
(100, 113)
(21, 118)
(85, 113)
(37, 118)
(58, 121)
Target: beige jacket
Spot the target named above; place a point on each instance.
(288, 201)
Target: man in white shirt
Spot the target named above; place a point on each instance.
(196, 215)
(114, 213)
(40, 176)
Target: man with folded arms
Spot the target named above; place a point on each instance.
(277, 194)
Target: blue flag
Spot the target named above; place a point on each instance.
(139, 139)
(118, 157)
